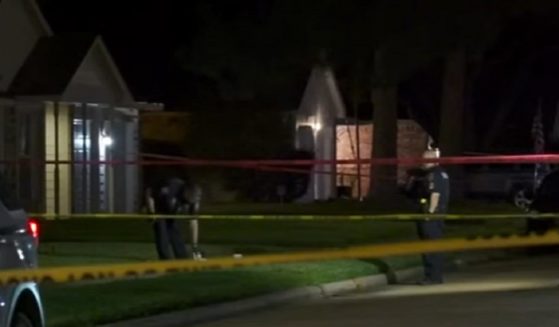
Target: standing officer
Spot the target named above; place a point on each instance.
(436, 202)
(166, 197)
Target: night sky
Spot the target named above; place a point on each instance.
(156, 42)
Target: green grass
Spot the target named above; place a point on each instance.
(87, 305)
(341, 207)
(273, 233)
(287, 233)
(79, 253)
(74, 242)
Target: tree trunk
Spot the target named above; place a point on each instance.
(471, 138)
(451, 139)
(383, 178)
(510, 98)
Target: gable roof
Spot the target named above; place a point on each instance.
(38, 15)
(51, 65)
(322, 86)
(33, 8)
(54, 61)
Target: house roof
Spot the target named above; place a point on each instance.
(36, 14)
(322, 86)
(54, 62)
(51, 65)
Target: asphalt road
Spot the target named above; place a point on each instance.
(519, 293)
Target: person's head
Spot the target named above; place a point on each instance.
(432, 153)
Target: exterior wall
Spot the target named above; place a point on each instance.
(132, 175)
(125, 179)
(29, 132)
(22, 145)
(85, 187)
(58, 180)
(411, 143)
(322, 184)
(346, 144)
(320, 107)
(95, 81)
(16, 16)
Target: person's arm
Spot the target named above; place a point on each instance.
(434, 194)
(434, 202)
(150, 203)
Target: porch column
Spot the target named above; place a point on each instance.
(58, 146)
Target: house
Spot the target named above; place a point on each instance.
(320, 108)
(65, 110)
(411, 142)
(323, 128)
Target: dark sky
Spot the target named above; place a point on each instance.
(520, 67)
(143, 36)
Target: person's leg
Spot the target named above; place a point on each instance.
(161, 239)
(177, 241)
(421, 227)
(433, 262)
(194, 235)
(194, 232)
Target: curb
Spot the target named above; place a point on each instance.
(213, 312)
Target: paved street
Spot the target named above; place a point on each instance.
(519, 293)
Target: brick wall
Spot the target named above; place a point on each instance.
(411, 142)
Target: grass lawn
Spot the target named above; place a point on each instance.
(87, 305)
(401, 205)
(287, 233)
(90, 304)
(74, 242)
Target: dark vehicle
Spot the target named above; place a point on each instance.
(546, 200)
(513, 183)
(20, 304)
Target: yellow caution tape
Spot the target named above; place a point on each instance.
(301, 217)
(115, 271)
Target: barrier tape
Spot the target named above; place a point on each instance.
(411, 161)
(117, 271)
(386, 217)
(406, 161)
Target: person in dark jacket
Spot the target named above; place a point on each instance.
(436, 202)
(165, 196)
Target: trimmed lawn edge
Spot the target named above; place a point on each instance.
(222, 310)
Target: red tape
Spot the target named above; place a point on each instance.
(178, 161)
(411, 161)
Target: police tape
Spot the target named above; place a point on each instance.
(373, 217)
(404, 161)
(135, 270)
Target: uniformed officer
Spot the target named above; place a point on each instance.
(164, 195)
(436, 202)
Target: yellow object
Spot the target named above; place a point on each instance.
(164, 126)
(423, 201)
(128, 270)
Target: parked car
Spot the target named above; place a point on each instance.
(20, 304)
(513, 183)
(546, 200)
